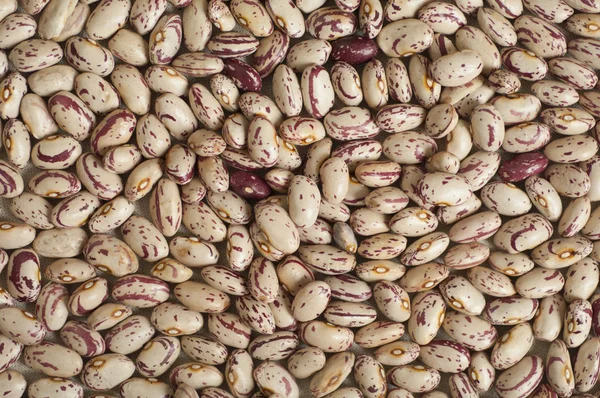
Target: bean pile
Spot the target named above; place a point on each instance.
(408, 179)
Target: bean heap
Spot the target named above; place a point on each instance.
(408, 180)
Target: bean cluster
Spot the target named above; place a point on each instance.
(222, 199)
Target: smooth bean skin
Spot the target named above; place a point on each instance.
(53, 359)
(415, 114)
(49, 385)
(14, 384)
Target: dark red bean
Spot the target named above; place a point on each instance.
(354, 50)
(244, 76)
(522, 166)
(249, 186)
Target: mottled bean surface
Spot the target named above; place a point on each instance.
(299, 198)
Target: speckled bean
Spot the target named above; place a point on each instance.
(107, 18)
(253, 16)
(20, 326)
(305, 362)
(481, 372)
(194, 295)
(23, 280)
(13, 88)
(528, 104)
(526, 137)
(107, 371)
(586, 366)
(16, 235)
(491, 282)
(419, 39)
(193, 252)
(528, 285)
(577, 323)
(475, 228)
(424, 277)
(202, 349)
(276, 346)
(274, 378)
(548, 321)
(573, 72)
(111, 216)
(14, 384)
(559, 371)
(430, 307)
(390, 200)
(51, 306)
(462, 296)
(520, 379)
(88, 296)
(48, 386)
(108, 315)
(398, 81)
(15, 137)
(137, 290)
(409, 147)
(75, 210)
(327, 337)
(86, 55)
(552, 11)
(510, 310)
(574, 217)
(53, 359)
(239, 373)
(397, 353)
(505, 82)
(561, 150)
(12, 352)
(11, 183)
(512, 346)
(473, 332)
(132, 88)
(110, 255)
(35, 54)
(170, 270)
(69, 270)
(57, 184)
(150, 387)
(55, 152)
(505, 199)
(540, 37)
(555, 93)
(414, 378)
(515, 235)
(444, 70)
(568, 121)
(175, 319)
(466, 255)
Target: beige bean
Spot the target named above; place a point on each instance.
(130, 47)
(306, 362)
(336, 370)
(419, 39)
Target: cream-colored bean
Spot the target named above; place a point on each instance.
(133, 89)
(416, 36)
(130, 47)
(54, 17)
(333, 374)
